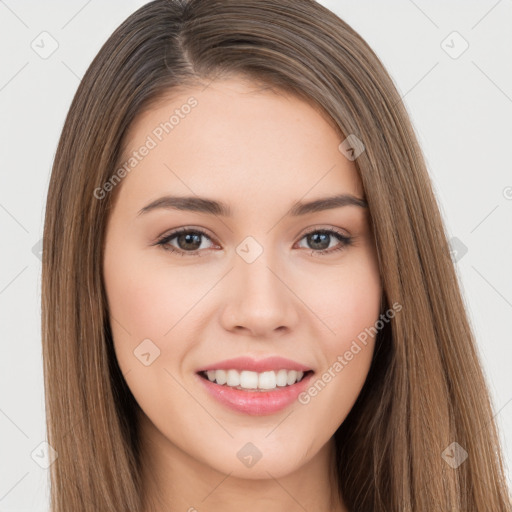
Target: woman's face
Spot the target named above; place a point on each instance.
(250, 282)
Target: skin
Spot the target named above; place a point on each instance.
(259, 152)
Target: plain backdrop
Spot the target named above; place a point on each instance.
(451, 62)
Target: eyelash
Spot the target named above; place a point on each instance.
(164, 241)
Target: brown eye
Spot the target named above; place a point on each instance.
(320, 240)
(188, 241)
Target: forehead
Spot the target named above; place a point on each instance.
(237, 141)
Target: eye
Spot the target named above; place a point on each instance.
(189, 241)
(321, 238)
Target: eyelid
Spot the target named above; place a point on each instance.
(322, 227)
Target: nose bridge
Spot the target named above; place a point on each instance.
(259, 300)
(255, 268)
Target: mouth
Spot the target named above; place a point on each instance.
(248, 381)
(255, 386)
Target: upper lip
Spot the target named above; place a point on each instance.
(256, 365)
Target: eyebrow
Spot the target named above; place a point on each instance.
(212, 207)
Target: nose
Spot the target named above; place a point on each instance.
(260, 300)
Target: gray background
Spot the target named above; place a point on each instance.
(461, 106)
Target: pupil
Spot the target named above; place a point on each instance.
(187, 238)
(315, 237)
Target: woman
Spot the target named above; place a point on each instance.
(318, 355)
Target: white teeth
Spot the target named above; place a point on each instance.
(252, 380)
(233, 378)
(282, 378)
(220, 376)
(292, 377)
(248, 380)
(267, 380)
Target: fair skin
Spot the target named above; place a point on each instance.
(259, 152)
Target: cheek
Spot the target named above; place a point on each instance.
(351, 308)
(147, 298)
(136, 301)
(137, 308)
(350, 305)
(354, 312)
(143, 309)
(349, 301)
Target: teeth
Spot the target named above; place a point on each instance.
(248, 380)
(220, 376)
(282, 378)
(253, 380)
(292, 377)
(233, 378)
(267, 380)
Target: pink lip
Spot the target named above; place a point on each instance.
(262, 365)
(256, 403)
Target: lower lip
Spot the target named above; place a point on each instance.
(256, 403)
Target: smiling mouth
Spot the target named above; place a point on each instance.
(246, 380)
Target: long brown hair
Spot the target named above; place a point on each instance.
(425, 389)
